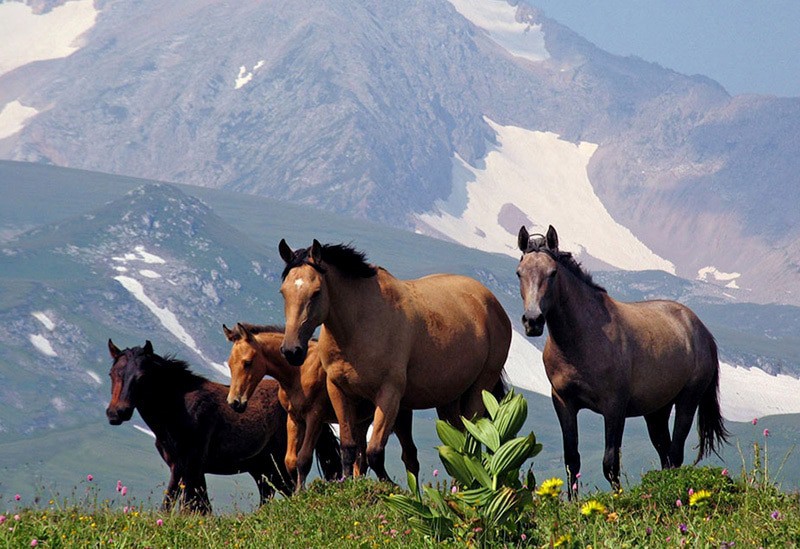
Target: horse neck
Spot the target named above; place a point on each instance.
(352, 301)
(276, 365)
(160, 393)
(576, 311)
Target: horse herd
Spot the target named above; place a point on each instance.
(388, 346)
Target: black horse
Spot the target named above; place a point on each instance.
(198, 433)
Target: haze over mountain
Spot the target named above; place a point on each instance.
(460, 119)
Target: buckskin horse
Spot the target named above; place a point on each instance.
(618, 359)
(303, 394)
(198, 433)
(434, 342)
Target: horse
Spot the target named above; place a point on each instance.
(618, 359)
(303, 394)
(197, 432)
(433, 342)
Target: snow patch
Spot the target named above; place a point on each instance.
(164, 315)
(147, 273)
(746, 393)
(246, 76)
(94, 376)
(498, 19)
(14, 114)
(144, 430)
(140, 255)
(42, 344)
(44, 319)
(707, 273)
(167, 319)
(58, 403)
(29, 37)
(536, 179)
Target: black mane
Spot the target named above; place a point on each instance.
(174, 367)
(565, 259)
(349, 261)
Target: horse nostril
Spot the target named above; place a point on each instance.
(294, 356)
(238, 405)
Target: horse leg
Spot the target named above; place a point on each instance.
(347, 416)
(360, 467)
(195, 493)
(451, 413)
(387, 407)
(614, 426)
(685, 407)
(294, 436)
(305, 457)
(403, 431)
(658, 429)
(172, 493)
(265, 486)
(568, 419)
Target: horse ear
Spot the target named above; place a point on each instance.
(523, 239)
(552, 238)
(229, 334)
(316, 252)
(244, 332)
(286, 252)
(113, 349)
(148, 347)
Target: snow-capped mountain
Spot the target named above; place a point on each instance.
(461, 119)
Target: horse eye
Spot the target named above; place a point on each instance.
(519, 274)
(248, 363)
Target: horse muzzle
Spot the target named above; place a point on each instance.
(294, 356)
(238, 405)
(118, 416)
(533, 326)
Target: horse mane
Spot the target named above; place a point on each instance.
(566, 260)
(179, 369)
(349, 261)
(263, 328)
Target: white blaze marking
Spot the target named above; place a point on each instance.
(298, 283)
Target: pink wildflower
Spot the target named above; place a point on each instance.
(89, 477)
(724, 472)
(755, 421)
(17, 497)
(577, 475)
(2, 519)
(436, 472)
(34, 542)
(16, 517)
(159, 522)
(119, 485)
(454, 489)
(124, 491)
(691, 491)
(678, 503)
(766, 432)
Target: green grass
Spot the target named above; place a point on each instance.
(749, 511)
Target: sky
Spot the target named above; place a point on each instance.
(748, 46)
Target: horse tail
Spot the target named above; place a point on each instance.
(710, 425)
(329, 458)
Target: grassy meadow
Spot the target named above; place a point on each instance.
(691, 506)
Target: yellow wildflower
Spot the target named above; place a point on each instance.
(562, 540)
(699, 498)
(592, 507)
(550, 488)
